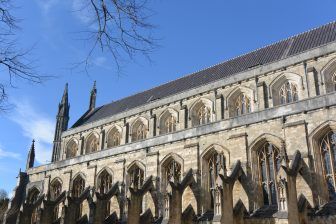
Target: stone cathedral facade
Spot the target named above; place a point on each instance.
(250, 140)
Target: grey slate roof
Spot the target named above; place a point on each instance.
(271, 53)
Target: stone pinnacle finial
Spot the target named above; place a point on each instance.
(93, 95)
(31, 156)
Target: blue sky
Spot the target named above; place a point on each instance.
(193, 35)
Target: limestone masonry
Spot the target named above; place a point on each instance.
(250, 140)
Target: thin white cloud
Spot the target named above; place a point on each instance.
(8, 154)
(36, 126)
(82, 11)
(46, 5)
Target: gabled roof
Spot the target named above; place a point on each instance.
(294, 45)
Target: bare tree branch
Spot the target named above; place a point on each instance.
(120, 27)
(14, 63)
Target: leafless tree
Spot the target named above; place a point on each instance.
(3, 194)
(14, 63)
(120, 27)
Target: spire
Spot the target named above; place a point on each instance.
(31, 156)
(93, 97)
(65, 94)
(62, 120)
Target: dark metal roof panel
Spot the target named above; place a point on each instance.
(277, 51)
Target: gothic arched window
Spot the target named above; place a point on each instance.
(55, 189)
(173, 172)
(136, 177)
(269, 165)
(243, 104)
(78, 186)
(203, 115)
(32, 198)
(215, 163)
(77, 189)
(139, 130)
(328, 154)
(71, 150)
(113, 138)
(201, 112)
(92, 143)
(170, 124)
(105, 182)
(288, 93)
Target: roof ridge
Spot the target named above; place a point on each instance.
(222, 62)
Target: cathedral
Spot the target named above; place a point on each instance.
(250, 140)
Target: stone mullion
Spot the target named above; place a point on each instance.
(331, 153)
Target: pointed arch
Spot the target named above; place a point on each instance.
(214, 161)
(329, 75)
(285, 88)
(135, 174)
(78, 184)
(240, 101)
(322, 141)
(171, 168)
(92, 142)
(104, 180)
(33, 194)
(263, 138)
(71, 148)
(168, 120)
(113, 137)
(55, 188)
(266, 158)
(139, 129)
(201, 112)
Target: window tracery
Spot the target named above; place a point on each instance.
(243, 104)
(203, 115)
(136, 177)
(216, 163)
(55, 189)
(78, 186)
(328, 154)
(71, 149)
(114, 138)
(105, 182)
(288, 93)
(218, 204)
(170, 124)
(77, 190)
(33, 196)
(333, 80)
(92, 144)
(173, 172)
(139, 130)
(269, 165)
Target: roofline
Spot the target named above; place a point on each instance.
(234, 78)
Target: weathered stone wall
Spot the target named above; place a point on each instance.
(291, 128)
